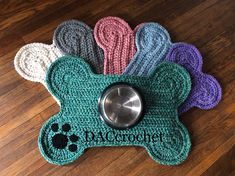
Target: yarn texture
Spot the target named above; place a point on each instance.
(154, 46)
(33, 60)
(153, 43)
(116, 38)
(76, 38)
(62, 138)
(206, 91)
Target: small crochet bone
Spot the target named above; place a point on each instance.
(206, 91)
(116, 38)
(152, 42)
(62, 138)
(33, 60)
(76, 38)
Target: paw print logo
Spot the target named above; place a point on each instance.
(61, 139)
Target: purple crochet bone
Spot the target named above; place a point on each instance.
(206, 91)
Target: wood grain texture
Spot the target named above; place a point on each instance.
(25, 106)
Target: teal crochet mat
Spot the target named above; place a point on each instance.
(77, 126)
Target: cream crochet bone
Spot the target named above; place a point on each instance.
(33, 60)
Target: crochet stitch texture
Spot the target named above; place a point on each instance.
(62, 137)
(154, 46)
(76, 38)
(153, 43)
(206, 91)
(33, 60)
(116, 38)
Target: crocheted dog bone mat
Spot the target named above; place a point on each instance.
(206, 91)
(153, 43)
(76, 38)
(63, 138)
(33, 60)
(116, 38)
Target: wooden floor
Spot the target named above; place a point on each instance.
(25, 106)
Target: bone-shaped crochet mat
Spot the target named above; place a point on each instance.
(153, 44)
(33, 60)
(116, 38)
(206, 91)
(62, 138)
(76, 38)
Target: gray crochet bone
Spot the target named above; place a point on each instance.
(76, 38)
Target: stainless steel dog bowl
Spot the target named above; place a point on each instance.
(120, 106)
